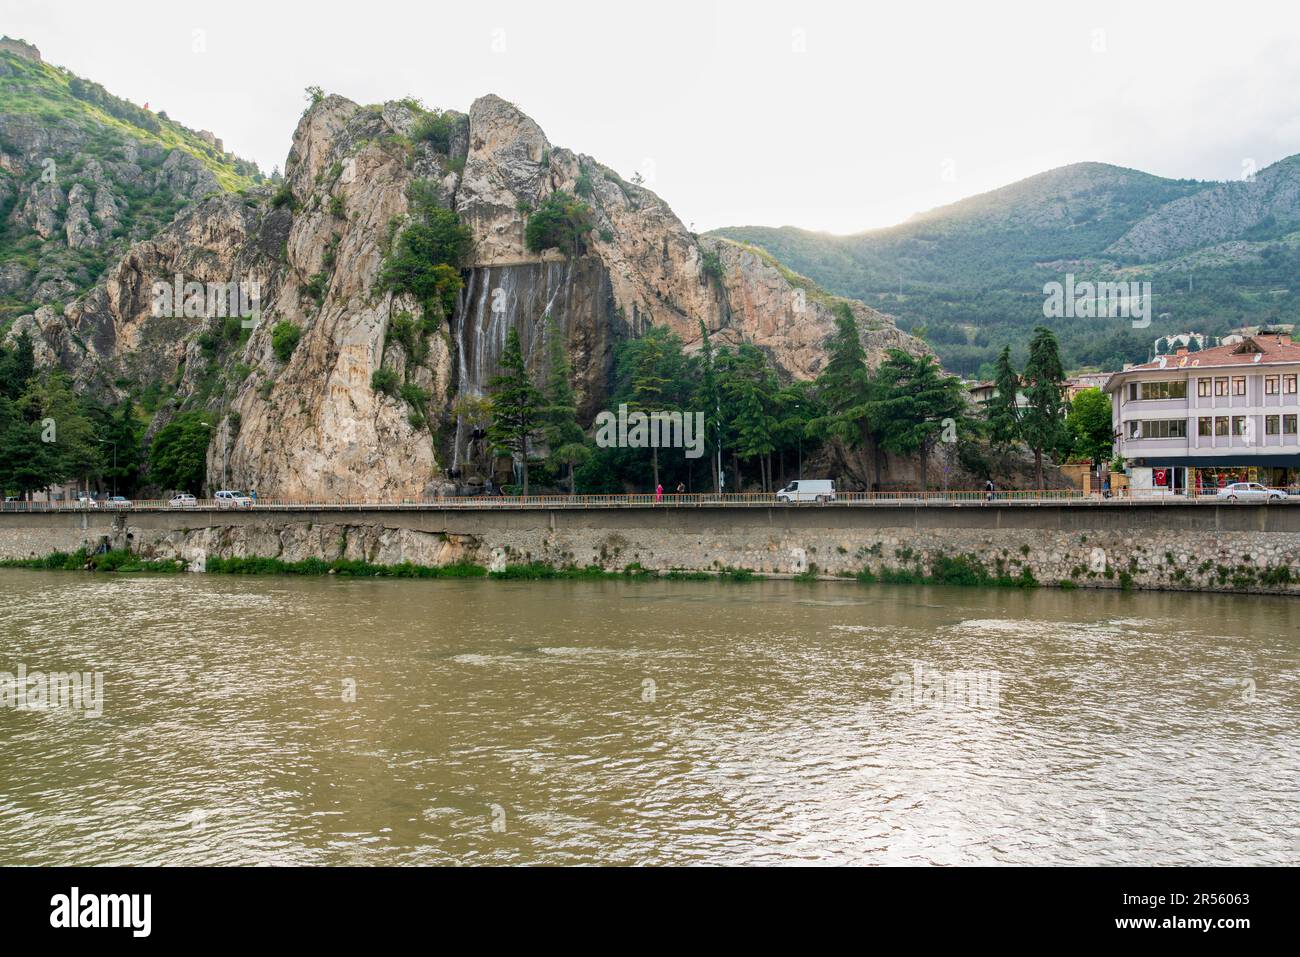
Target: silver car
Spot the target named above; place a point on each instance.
(1251, 492)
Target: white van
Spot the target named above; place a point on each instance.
(808, 490)
(229, 498)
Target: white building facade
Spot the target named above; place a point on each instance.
(1204, 419)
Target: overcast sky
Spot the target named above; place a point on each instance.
(831, 116)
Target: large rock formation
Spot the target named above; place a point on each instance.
(312, 425)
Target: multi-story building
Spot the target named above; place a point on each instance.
(1203, 419)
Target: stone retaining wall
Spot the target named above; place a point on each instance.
(1202, 547)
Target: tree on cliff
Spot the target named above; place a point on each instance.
(425, 261)
(561, 221)
(517, 405)
(1042, 424)
(917, 405)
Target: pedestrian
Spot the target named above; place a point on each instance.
(681, 489)
(989, 490)
(253, 495)
(659, 493)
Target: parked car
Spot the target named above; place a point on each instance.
(229, 498)
(1251, 492)
(86, 500)
(183, 500)
(808, 490)
(118, 501)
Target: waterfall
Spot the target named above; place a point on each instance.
(496, 299)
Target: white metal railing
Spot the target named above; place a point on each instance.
(1010, 497)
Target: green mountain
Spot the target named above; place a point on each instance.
(970, 275)
(84, 173)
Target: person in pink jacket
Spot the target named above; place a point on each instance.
(659, 494)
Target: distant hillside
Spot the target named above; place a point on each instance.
(83, 174)
(971, 274)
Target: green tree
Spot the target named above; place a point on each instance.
(564, 436)
(846, 393)
(1042, 424)
(1003, 410)
(748, 385)
(284, 339)
(916, 403)
(652, 375)
(425, 262)
(17, 366)
(1089, 422)
(179, 455)
(561, 221)
(517, 405)
(708, 398)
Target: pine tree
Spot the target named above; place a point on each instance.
(564, 437)
(749, 388)
(709, 399)
(1042, 425)
(517, 405)
(846, 390)
(916, 403)
(1003, 410)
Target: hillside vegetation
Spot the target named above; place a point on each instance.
(84, 173)
(970, 276)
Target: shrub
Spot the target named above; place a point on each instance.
(384, 380)
(284, 339)
(711, 265)
(436, 129)
(561, 222)
(284, 197)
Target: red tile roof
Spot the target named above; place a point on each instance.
(1271, 351)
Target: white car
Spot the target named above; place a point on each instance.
(1251, 492)
(84, 500)
(808, 490)
(228, 498)
(118, 501)
(183, 500)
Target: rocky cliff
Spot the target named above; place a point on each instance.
(306, 420)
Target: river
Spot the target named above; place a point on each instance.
(286, 720)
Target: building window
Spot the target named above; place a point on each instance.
(1238, 425)
(1164, 390)
(1204, 426)
(1220, 425)
(1164, 428)
(1203, 388)
(1288, 424)
(1288, 384)
(1220, 386)
(1270, 384)
(1239, 385)
(1271, 424)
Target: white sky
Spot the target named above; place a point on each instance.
(832, 116)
